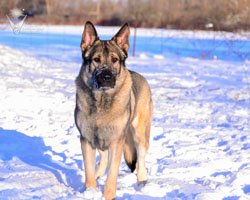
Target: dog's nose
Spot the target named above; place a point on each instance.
(105, 78)
(106, 75)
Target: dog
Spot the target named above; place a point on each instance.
(113, 110)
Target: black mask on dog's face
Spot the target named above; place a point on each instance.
(104, 77)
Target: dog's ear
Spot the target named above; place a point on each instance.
(122, 37)
(89, 36)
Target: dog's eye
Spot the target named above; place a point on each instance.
(97, 60)
(114, 60)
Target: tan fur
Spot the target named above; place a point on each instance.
(103, 163)
(141, 125)
(89, 163)
(115, 154)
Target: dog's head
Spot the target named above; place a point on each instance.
(103, 60)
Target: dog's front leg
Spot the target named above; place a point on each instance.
(89, 163)
(103, 163)
(114, 157)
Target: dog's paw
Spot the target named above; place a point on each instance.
(142, 183)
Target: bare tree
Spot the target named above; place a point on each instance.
(51, 5)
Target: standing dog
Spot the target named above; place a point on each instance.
(113, 109)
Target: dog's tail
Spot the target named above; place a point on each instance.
(130, 154)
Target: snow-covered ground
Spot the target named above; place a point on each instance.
(200, 141)
(55, 42)
(70, 29)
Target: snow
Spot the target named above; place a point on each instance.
(41, 41)
(199, 146)
(76, 29)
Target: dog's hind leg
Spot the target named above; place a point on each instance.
(103, 163)
(142, 124)
(89, 163)
(141, 144)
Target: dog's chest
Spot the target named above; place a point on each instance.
(95, 123)
(98, 135)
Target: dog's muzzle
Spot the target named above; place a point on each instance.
(104, 78)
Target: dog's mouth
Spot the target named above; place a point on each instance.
(104, 79)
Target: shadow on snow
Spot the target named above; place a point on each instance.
(31, 150)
